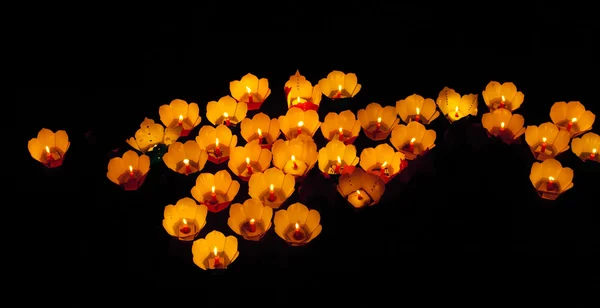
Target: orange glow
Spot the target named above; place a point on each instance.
(301, 123)
(185, 222)
(339, 88)
(502, 125)
(130, 169)
(340, 130)
(339, 160)
(297, 227)
(248, 160)
(379, 120)
(186, 162)
(413, 140)
(47, 150)
(503, 99)
(550, 179)
(418, 111)
(217, 142)
(225, 114)
(259, 132)
(252, 221)
(213, 189)
(594, 150)
(272, 187)
(574, 120)
(180, 118)
(248, 89)
(544, 139)
(215, 251)
(383, 165)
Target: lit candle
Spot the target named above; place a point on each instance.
(249, 95)
(48, 154)
(217, 148)
(213, 195)
(180, 122)
(383, 168)
(593, 154)
(543, 149)
(418, 115)
(186, 162)
(294, 162)
(185, 229)
(338, 165)
(456, 112)
(358, 195)
(252, 225)
(339, 92)
(411, 145)
(550, 185)
(297, 233)
(298, 100)
(271, 193)
(300, 124)
(130, 171)
(217, 261)
(570, 125)
(260, 136)
(248, 165)
(341, 135)
(502, 126)
(378, 127)
(502, 102)
(226, 116)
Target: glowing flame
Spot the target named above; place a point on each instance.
(550, 179)
(47, 150)
(213, 189)
(418, 110)
(503, 99)
(272, 187)
(594, 150)
(339, 160)
(456, 109)
(379, 120)
(358, 192)
(180, 118)
(186, 161)
(184, 221)
(225, 114)
(293, 158)
(297, 227)
(215, 251)
(544, 139)
(340, 130)
(217, 142)
(298, 99)
(339, 88)
(252, 221)
(413, 140)
(301, 123)
(574, 120)
(502, 125)
(383, 165)
(259, 132)
(248, 160)
(130, 169)
(248, 89)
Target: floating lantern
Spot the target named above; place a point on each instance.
(226, 111)
(185, 219)
(298, 225)
(185, 158)
(261, 128)
(547, 140)
(300, 93)
(49, 148)
(296, 157)
(272, 187)
(153, 139)
(216, 191)
(215, 251)
(337, 158)
(416, 108)
(504, 125)
(413, 139)
(129, 171)
(250, 90)
(249, 159)
(550, 179)
(502, 96)
(382, 161)
(180, 114)
(250, 220)
(343, 126)
(217, 142)
(298, 122)
(454, 107)
(378, 122)
(339, 85)
(361, 188)
(572, 117)
(587, 147)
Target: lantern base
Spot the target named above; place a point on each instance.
(217, 159)
(277, 202)
(254, 105)
(217, 207)
(294, 240)
(223, 262)
(349, 140)
(185, 132)
(305, 106)
(375, 134)
(542, 156)
(54, 163)
(383, 176)
(548, 195)
(134, 184)
(187, 237)
(255, 235)
(409, 155)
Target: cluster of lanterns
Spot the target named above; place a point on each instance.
(279, 152)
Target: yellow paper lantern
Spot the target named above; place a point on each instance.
(455, 107)
(297, 122)
(298, 225)
(361, 188)
(185, 219)
(49, 148)
(216, 191)
(262, 128)
(550, 179)
(502, 96)
(245, 161)
(587, 147)
(413, 139)
(185, 158)
(129, 171)
(217, 142)
(296, 157)
(343, 126)
(300, 93)
(382, 161)
(226, 111)
(215, 252)
(339, 85)
(417, 108)
(152, 134)
(272, 187)
(572, 117)
(378, 122)
(250, 220)
(547, 140)
(337, 158)
(504, 125)
(250, 90)
(180, 114)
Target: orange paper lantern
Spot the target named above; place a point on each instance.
(502, 96)
(180, 114)
(250, 220)
(272, 187)
(547, 140)
(226, 111)
(413, 139)
(296, 157)
(215, 252)
(337, 158)
(550, 179)
(454, 106)
(377, 122)
(262, 128)
(360, 188)
(185, 219)
(572, 117)
(339, 85)
(297, 122)
(298, 225)
(129, 171)
(49, 148)
(503, 125)
(300, 93)
(342, 126)
(151, 134)
(417, 108)
(217, 142)
(382, 161)
(250, 90)
(216, 191)
(587, 147)
(185, 158)
(245, 161)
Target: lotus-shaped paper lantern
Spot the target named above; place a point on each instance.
(251, 220)
(572, 117)
(216, 191)
(226, 111)
(49, 148)
(337, 158)
(272, 187)
(502, 96)
(550, 179)
(297, 121)
(547, 140)
(378, 122)
(361, 188)
(343, 126)
(185, 219)
(245, 161)
(339, 85)
(152, 134)
(129, 171)
(217, 142)
(413, 139)
(504, 125)
(297, 156)
(180, 114)
(587, 147)
(215, 251)
(417, 108)
(250, 90)
(185, 158)
(300, 93)
(454, 107)
(383, 161)
(262, 128)
(298, 225)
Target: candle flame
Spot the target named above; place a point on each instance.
(180, 118)
(248, 160)
(293, 158)
(502, 125)
(272, 187)
(413, 140)
(300, 124)
(47, 150)
(248, 89)
(550, 178)
(297, 227)
(594, 150)
(184, 221)
(340, 130)
(544, 139)
(339, 160)
(383, 165)
(225, 114)
(358, 192)
(456, 109)
(216, 141)
(213, 189)
(379, 120)
(298, 99)
(503, 99)
(574, 120)
(418, 110)
(186, 161)
(215, 251)
(339, 88)
(252, 221)
(130, 168)
(259, 132)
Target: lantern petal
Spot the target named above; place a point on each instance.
(205, 182)
(194, 114)
(216, 239)
(297, 213)
(517, 101)
(186, 208)
(213, 112)
(351, 84)
(233, 190)
(561, 142)
(61, 140)
(236, 217)
(231, 248)
(536, 174)
(316, 95)
(281, 222)
(179, 107)
(565, 178)
(257, 185)
(428, 140)
(389, 116)
(267, 216)
(115, 170)
(516, 123)
(237, 89)
(312, 220)
(274, 128)
(168, 224)
(325, 87)
(35, 149)
(323, 159)
(191, 150)
(46, 138)
(250, 81)
(350, 155)
(487, 121)
(287, 185)
(368, 158)
(509, 90)
(200, 252)
(222, 181)
(575, 110)
(551, 167)
(253, 208)
(130, 158)
(166, 115)
(315, 233)
(577, 146)
(531, 135)
(493, 91)
(429, 110)
(558, 112)
(585, 121)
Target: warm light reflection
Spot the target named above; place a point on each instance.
(259, 132)
(413, 140)
(186, 162)
(248, 160)
(574, 120)
(339, 88)
(293, 158)
(130, 168)
(301, 123)
(594, 151)
(185, 222)
(551, 179)
(297, 227)
(341, 131)
(225, 114)
(47, 150)
(213, 189)
(544, 139)
(248, 89)
(215, 251)
(502, 126)
(418, 111)
(384, 164)
(217, 142)
(180, 118)
(339, 160)
(272, 187)
(379, 120)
